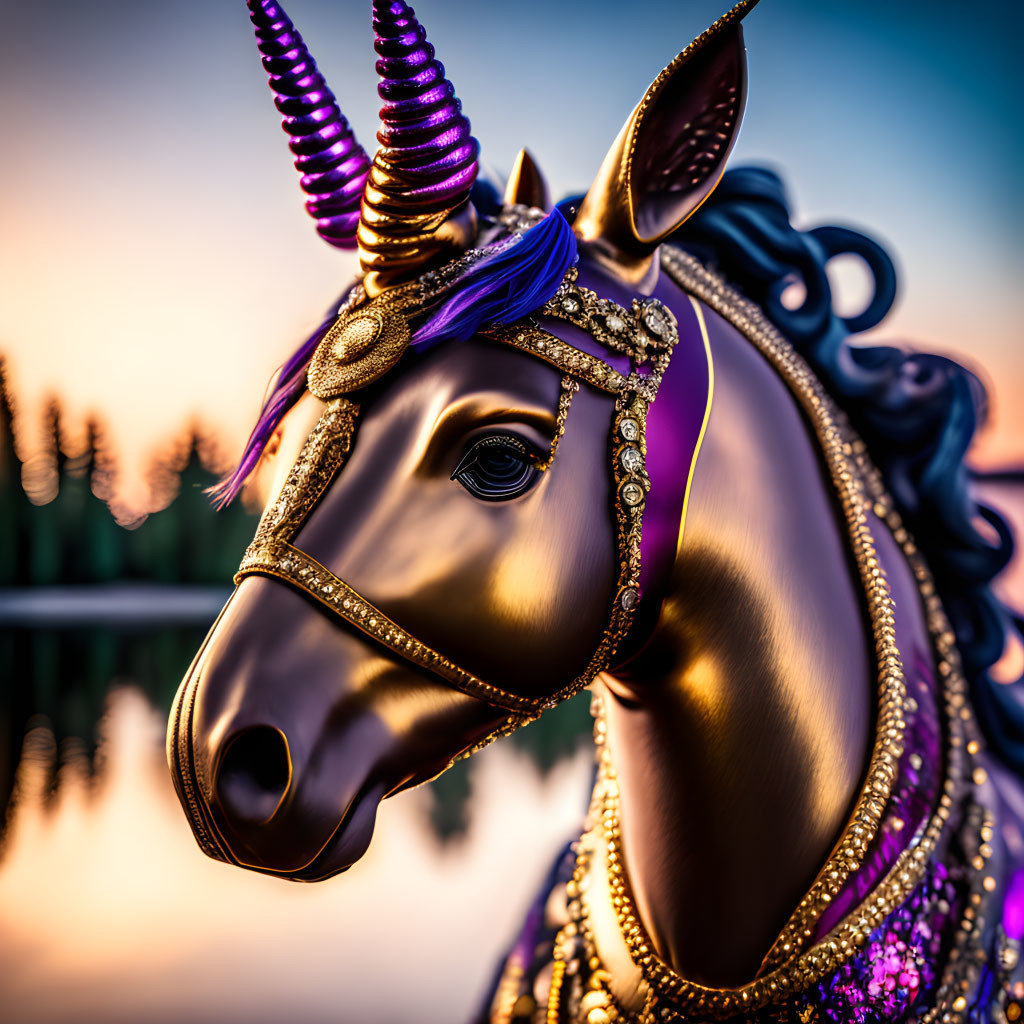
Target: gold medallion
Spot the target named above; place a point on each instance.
(357, 349)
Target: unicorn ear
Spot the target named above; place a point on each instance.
(526, 185)
(672, 150)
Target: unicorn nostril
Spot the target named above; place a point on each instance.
(254, 774)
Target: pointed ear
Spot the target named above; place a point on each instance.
(671, 152)
(526, 185)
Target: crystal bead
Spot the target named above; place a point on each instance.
(631, 459)
(629, 599)
(629, 429)
(570, 305)
(656, 319)
(615, 324)
(631, 493)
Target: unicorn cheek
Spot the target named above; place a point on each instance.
(516, 591)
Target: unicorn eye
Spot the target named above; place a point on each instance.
(497, 467)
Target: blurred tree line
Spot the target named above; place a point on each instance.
(61, 674)
(73, 538)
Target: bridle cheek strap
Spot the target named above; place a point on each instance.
(365, 342)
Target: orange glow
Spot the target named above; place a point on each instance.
(152, 331)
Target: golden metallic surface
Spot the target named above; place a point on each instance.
(396, 244)
(748, 714)
(888, 746)
(657, 172)
(417, 536)
(648, 333)
(399, 725)
(356, 341)
(673, 996)
(281, 560)
(526, 185)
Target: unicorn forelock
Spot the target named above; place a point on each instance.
(516, 279)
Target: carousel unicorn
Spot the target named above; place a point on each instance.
(539, 449)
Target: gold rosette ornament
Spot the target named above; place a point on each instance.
(358, 348)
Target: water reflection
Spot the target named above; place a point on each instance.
(108, 911)
(65, 673)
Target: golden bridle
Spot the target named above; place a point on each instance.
(366, 341)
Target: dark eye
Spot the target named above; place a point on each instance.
(497, 467)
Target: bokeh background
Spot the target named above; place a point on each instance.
(156, 265)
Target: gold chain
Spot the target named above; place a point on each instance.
(565, 396)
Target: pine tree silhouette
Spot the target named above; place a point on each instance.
(14, 504)
(45, 543)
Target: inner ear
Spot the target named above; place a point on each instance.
(671, 152)
(685, 136)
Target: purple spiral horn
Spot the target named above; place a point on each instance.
(415, 206)
(333, 165)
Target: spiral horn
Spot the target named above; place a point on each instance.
(332, 163)
(416, 208)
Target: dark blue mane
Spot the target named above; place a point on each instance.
(917, 413)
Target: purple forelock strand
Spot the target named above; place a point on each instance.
(291, 382)
(424, 134)
(520, 276)
(332, 164)
(516, 281)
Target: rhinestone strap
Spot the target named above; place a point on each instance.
(325, 452)
(854, 501)
(647, 332)
(366, 342)
(560, 354)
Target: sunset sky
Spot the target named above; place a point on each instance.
(156, 263)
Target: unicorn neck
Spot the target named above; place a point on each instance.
(741, 734)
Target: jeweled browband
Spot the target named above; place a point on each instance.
(367, 339)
